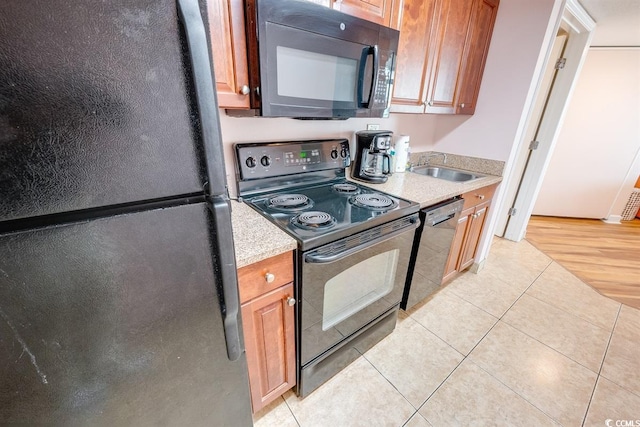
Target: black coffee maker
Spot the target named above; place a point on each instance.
(372, 162)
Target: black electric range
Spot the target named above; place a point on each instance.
(301, 187)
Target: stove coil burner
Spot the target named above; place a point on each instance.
(289, 202)
(313, 220)
(375, 201)
(345, 188)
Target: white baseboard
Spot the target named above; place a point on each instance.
(612, 219)
(477, 266)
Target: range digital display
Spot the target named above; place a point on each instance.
(302, 157)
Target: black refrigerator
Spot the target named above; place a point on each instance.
(118, 289)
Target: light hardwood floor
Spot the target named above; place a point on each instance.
(605, 256)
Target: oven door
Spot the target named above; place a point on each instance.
(350, 283)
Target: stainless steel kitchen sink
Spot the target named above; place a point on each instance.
(446, 173)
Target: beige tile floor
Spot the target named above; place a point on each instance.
(522, 343)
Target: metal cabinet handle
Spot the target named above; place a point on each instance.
(480, 196)
(291, 301)
(269, 277)
(245, 90)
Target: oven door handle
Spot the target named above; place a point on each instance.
(315, 258)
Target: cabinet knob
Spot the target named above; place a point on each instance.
(430, 103)
(269, 277)
(291, 301)
(462, 105)
(474, 216)
(245, 90)
(480, 196)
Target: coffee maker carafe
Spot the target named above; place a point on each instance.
(372, 162)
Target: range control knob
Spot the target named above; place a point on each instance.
(344, 153)
(265, 161)
(334, 154)
(251, 162)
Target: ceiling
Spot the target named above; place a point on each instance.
(617, 22)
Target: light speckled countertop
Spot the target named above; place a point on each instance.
(427, 190)
(255, 238)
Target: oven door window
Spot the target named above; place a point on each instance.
(304, 74)
(358, 287)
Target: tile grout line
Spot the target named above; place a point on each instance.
(464, 357)
(291, 411)
(515, 392)
(499, 320)
(391, 384)
(593, 392)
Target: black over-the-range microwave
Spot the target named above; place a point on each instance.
(310, 61)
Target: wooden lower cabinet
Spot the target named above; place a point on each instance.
(268, 327)
(468, 231)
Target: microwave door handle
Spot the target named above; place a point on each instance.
(366, 52)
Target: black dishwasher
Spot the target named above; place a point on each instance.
(430, 251)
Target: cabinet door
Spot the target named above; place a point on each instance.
(473, 235)
(268, 325)
(379, 11)
(229, 51)
(458, 243)
(475, 56)
(414, 48)
(450, 36)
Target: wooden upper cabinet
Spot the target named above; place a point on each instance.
(450, 35)
(410, 87)
(441, 56)
(383, 12)
(229, 51)
(483, 17)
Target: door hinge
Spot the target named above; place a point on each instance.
(512, 211)
(533, 145)
(560, 63)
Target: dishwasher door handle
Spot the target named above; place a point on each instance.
(432, 222)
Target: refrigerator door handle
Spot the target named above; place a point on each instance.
(225, 254)
(207, 104)
(206, 100)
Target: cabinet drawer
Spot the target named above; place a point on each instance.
(253, 279)
(481, 195)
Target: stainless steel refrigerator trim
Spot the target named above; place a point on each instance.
(207, 111)
(441, 216)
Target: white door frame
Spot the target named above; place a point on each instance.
(536, 112)
(580, 26)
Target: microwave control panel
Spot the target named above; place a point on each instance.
(270, 159)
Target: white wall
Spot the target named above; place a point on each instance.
(516, 43)
(597, 157)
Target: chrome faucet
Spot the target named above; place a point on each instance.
(424, 159)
